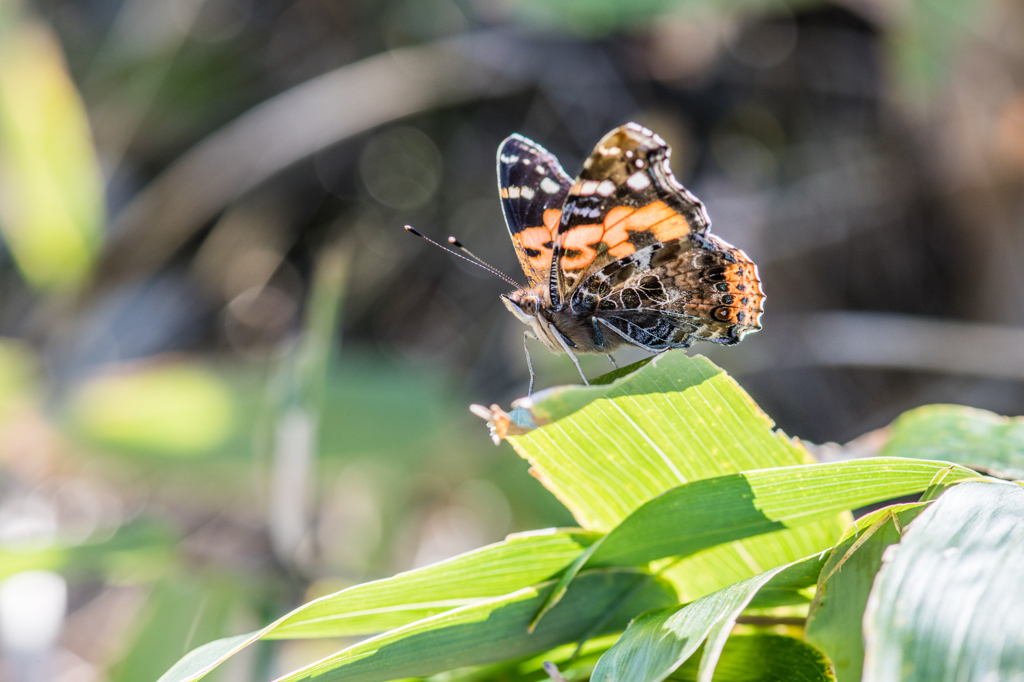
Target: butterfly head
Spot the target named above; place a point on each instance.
(525, 304)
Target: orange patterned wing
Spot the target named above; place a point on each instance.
(625, 199)
(533, 188)
(668, 295)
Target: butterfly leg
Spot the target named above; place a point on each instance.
(612, 360)
(568, 350)
(529, 365)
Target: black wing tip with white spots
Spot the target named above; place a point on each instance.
(530, 181)
(510, 148)
(661, 171)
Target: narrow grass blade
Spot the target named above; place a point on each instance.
(491, 631)
(518, 562)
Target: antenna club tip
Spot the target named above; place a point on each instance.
(412, 229)
(454, 242)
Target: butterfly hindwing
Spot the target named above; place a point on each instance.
(667, 295)
(624, 200)
(533, 189)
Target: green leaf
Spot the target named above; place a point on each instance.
(551, 404)
(494, 630)
(657, 643)
(675, 420)
(949, 603)
(704, 513)
(836, 614)
(965, 435)
(520, 561)
(175, 614)
(763, 658)
(606, 449)
(712, 569)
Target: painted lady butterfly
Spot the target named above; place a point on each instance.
(621, 256)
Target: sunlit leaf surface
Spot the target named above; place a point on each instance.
(521, 560)
(676, 419)
(716, 510)
(495, 630)
(52, 212)
(975, 438)
(949, 605)
(518, 562)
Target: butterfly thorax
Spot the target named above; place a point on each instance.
(558, 327)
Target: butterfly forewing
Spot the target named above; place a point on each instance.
(533, 189)
(624, 200)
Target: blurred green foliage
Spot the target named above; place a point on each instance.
(52, 216)
(174, 409)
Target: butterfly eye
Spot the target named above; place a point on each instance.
(530, 305)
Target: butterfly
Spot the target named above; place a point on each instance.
(623, 255)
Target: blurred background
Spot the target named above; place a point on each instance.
(229, 380)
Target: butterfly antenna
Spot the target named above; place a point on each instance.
(461, 247)
(474, 260)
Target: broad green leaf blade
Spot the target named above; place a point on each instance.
(965, 435)
(763, 658)
(713, 511)
(518, 562)
(712, 569)
(495, 630)
(699, 515)
(834, 621)
(52, 213)
(656, 644)
(949, 605)
(675, 420)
